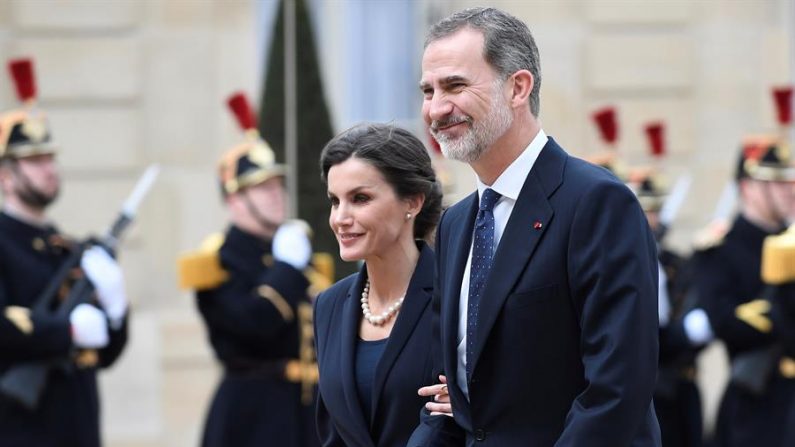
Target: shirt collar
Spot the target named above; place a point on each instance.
(509, 183)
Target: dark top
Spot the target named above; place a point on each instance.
(68, 411)
(368, 353)
(406, 364)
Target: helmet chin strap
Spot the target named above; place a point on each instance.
(782, 221)
(268, 225)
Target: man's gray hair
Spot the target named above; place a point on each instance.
(508, 45)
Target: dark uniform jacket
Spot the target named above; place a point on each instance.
(676, 396)
(406, 364)
(68, 413)
(732, 293)
(255, 321)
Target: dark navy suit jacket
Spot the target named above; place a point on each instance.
(566, 346)
(405, 366)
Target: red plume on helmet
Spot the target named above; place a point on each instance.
(606, 122)
(783, 99)
(240, 107)
(655, 132)
(24, 80)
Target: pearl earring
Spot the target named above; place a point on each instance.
(408, 216)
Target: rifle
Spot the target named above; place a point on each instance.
(672, 205)
(25, 383)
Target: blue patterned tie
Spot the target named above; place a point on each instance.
(482, 252)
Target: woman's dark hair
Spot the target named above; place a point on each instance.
(400, 157)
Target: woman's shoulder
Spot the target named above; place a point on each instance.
(337, 293)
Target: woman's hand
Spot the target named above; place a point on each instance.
(441, 399)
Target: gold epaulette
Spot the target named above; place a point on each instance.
(755, 314)
(710, 236)
(320, 274)
(201, 269)
(20, 317)
(778, 258)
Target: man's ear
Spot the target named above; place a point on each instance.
(523, 83)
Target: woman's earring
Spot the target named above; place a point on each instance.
(408, 216)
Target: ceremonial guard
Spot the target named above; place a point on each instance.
(761, 388)
(50, 351)
(684, 328)
(253, 293)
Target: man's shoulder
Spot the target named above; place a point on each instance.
(461, 205)
(555, 167)
(580, 171)
(456, 213)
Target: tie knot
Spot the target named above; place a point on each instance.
(489, 199)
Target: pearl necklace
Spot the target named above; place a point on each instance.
(378, 320)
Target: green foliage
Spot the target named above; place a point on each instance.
(313, 124)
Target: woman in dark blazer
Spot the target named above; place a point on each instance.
(373, 328)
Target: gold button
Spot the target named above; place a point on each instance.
(787, 368)
(38, 244)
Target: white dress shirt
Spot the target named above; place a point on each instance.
(508, 185)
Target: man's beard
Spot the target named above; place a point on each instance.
(33, 197)
(480, 135)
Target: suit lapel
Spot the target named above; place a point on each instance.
(530, 218)
(418, 296)
(350, 336)
(456, 255)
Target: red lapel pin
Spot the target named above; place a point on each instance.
(537, 225)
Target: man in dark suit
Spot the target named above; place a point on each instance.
(546, 284)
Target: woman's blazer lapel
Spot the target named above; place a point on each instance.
(418, 297)
(350, 334)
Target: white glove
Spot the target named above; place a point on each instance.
(697, 327)
(291, 244)
(89, 327)
(105, 274)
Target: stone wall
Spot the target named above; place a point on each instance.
(128, 83)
